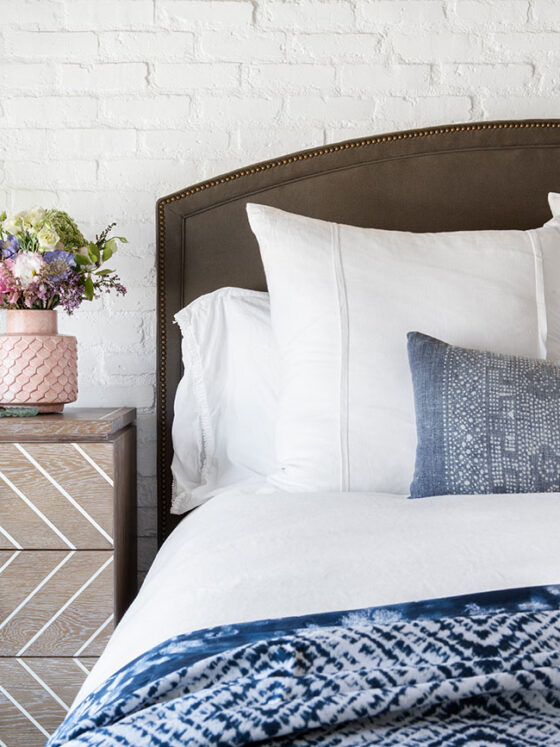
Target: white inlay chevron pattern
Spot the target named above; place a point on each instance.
(94, 464)
(61, 503)
(43, 684)
(35, 696)
(63, 492)
(23, 710)
(57, 582)
(10, 539)
(59, 612)
(38, 588)
(94, 635)
(79, 664)
(53, 496)
(10, 560)
(39, 513)
(55, 602)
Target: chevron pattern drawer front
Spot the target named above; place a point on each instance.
(53, 602)
(36, 694)
(56, 496)
(67, 559)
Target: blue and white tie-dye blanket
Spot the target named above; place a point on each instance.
(476, 670)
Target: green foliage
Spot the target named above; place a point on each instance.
(93, 252)
(66, 228)
(28, 241)
(109, 249)
(88, 289)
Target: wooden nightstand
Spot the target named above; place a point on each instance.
(67, 558)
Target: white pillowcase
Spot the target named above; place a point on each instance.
(226, 401)
(551, 268)
(343, 299)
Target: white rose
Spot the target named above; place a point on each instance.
(12, 224)
(47, 238)
(23, 222)
(26, 266)
(35, 216)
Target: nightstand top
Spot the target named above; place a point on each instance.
(74, 424)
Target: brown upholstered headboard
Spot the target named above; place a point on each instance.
(472, 176)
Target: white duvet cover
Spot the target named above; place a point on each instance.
(249, 554)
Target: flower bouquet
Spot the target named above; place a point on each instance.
(46, 262)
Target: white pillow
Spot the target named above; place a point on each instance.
(226, 401)
(551, 267)
(342, 301)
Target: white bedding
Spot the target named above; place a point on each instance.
(248, 555)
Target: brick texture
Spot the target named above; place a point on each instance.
(107, 105)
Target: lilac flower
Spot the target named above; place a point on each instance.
(60, 264)
(9, 247)
(71, 293)
(108, 283)
(36, 295)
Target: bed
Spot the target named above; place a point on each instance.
(333, 617)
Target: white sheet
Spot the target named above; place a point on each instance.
(247, 555)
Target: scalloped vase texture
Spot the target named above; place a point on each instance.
(38, 367)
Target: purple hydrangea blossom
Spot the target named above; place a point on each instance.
(9, 247)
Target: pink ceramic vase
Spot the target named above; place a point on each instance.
(38, 367)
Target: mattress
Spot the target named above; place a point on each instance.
(249, 555)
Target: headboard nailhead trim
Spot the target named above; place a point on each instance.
(163, 445)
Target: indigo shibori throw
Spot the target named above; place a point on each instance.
(480, 669)
(486, 423)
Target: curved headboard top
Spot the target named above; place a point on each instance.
(488, 175)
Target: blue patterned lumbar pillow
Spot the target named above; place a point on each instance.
(486, 423)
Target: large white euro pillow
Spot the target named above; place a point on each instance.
(225, 404)
(342, 301)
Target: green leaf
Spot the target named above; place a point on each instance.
(93, 251)
(104, 272)
(109, 249)
(122, 239)
(81, 260)
(88, 289)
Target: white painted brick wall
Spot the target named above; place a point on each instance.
(106, 105)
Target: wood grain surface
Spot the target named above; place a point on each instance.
(35, 696)
(53, 602)
(56, 495)
(67, 558)
(74, 423)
